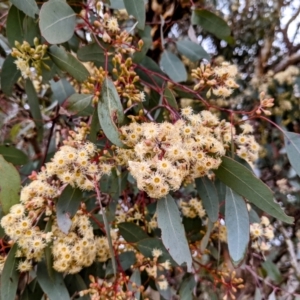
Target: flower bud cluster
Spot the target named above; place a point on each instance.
(265, 103)
(165, 155)
(78, 248)
(72, 164)
(192, 209)
(28, 56)
(261, 234)
(219, 80)
(100, 289)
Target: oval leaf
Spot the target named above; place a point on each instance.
(57, 21)
(211, 23)
(237, 224)
(10, 276)
(186, 288)
(13, 155)
(192, 51)
(29, 7)
(209, 196)
(10, 185)
(77, 103)
(110, 110)
(172, 230)
(292, 145)
(9, 75)
(53, 287)
(243, 181)
(66, 207)
(92, 52)
(137, 9)
(14, 26)
(61, 90)
(173, 66)
(67, 62)
(34, 105)
(131, 232)
(136, 279)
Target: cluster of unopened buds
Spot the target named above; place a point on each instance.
(220, 80)
(265, 103)
(27, 57)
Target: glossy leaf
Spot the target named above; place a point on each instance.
(125, 260)
(74, 284)
(10, 185)
(211, 23)
(209, 196)
(135, 279)
(10, 276)
(77, 103)
(9, 75)
(110, 112)
(243, 181)
(186, 288)
(292, 145)
(131, 232)
(192, 51)
(67, 62)
(146, 71)
(57, 21)
(173, 66)
(29, 7)
(66, 207)
(169, 95)
(14, 26)
(13, 155)
(34, 105)
(53, 287)
(61, 90)
(137, 9)
(237, 224)
(93, 52)
(172, 230)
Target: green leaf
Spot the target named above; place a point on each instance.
(173, 66)
(110, 110)
(172, 230)
(146, 71)
(244, 182)
(209, 196)
(131, 232)
(35, 110)
(137, 9)
(61, 90)
(237, 224)
(67, 62)
(10, 276)
(272, 271)
(14, 26)
(186, 288)
(125, 260)
(169, 95)
(53, 287)
(75, 284)
(13, 155)
(147, 39)
(147, 245)
(10, 185)
(192, 227)
(205, 239)
(29, 7)
(95, 126)
(77, 103)
(93, 52)
(48, 251)
(136, 279)
(66, 207)
(253, 216)
(211, 23)
(9, 75)
(31, 30)
(292, 145)
(192, 51)
(57, 21)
